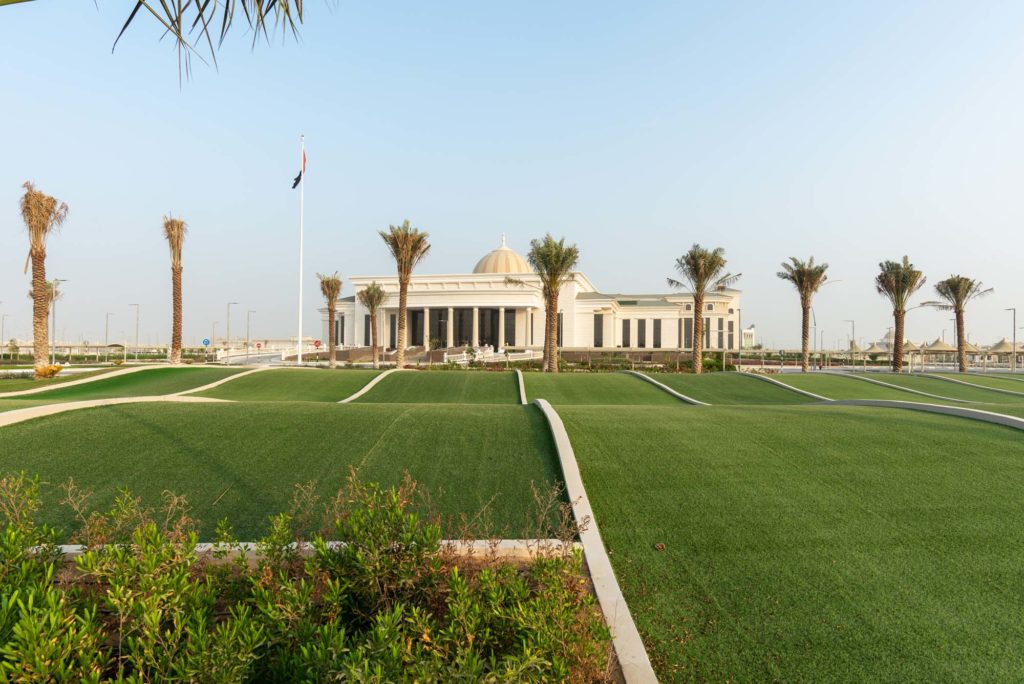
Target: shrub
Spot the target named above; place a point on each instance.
(383, 601)
(49, 371)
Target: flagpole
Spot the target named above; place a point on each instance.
(302, 203)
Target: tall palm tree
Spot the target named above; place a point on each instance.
(897, 281)
(553, 262)
(807, 277)
(703, 270)
(956, 291)
(175, 230)
(330, 287)
(372, 297)
(42, 215)
(408, 246)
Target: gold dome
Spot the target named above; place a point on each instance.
(502, 260)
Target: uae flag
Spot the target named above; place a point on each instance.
(302, 172)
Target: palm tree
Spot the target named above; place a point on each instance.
(807, 277)
(42, 215)
(554, 262)
(703, 271)
(408, 246)
(372, 297)
(175, 230)
(956, 291)
(330, 287)
(897, 281)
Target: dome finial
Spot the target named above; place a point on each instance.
(503, 240)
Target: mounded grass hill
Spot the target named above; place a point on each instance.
(445, 387)
(151, 382)
(596, 388)
(242, 460)
(812, 543)
(729, 388)
(294, 384)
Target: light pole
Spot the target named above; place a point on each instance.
(1013, 354)
(853, 340)
(248, 332)
(136, 331)
(3, 317)
(106, 338)
(739, 323)
(53, 314)
(227, 342)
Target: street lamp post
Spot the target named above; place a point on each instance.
(248, 332)
(739, 323)
(53, 314)
(853, 341)
(227, 334)
(136, 331)
(1013, 354)
(106, 338)
(3, 317)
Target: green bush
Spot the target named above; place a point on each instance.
(383, 601)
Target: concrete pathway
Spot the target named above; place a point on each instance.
(369, 386)
(665, 388)
(21, 415)
(220, 382)
(83, 381)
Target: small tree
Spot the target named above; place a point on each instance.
(372, 297)
(702, 270)
(554, 262)
(408, 246)
(807, 277)
(897, 281)
(42, 215)
(956, 291)
(330, 287)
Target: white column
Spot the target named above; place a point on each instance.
(426, 328)
(501, 328)
(450, 342)
(476, 327)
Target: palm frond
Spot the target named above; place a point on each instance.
(372, 297)
(175, 230)
(330, 288)
(408, 245)
(702, 269)
(42, 215)
(897, 281)
(956, 291)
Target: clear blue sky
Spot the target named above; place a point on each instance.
(855, 132)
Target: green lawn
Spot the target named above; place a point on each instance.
(19, 384)
(991, 380)
(951, 390)
(154, 382)
(816, 543)
(840, 387)
(293, 384)
(254, 453)
(729, 388)
(445, 387)
(595, 388)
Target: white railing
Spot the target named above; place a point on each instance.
(488, 355)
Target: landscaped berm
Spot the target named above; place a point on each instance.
(764, 536)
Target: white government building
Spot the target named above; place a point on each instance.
(482, 309)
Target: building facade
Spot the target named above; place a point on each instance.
(500, 305)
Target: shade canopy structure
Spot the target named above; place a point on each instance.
(939, 346)
(1003, 346)
(909, 346)
(971, 349)
(875, 349)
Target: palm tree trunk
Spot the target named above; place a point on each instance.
(373, 339)
(897, 343)
(698, 334)
(551, 343)
(176, 315)
(805, 362)
(961, 344)
(332, 339)
(403, 299)
(40, 313)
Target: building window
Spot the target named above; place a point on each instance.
(625, 332)
(641, 333)
(366, 330)
(559, 342)
(598, 330)
(721, 336)
(340, 334)
(732, 336)
(688, 335)
(689, 307)
(657, 333)
(710, 307)
(707, 333)
(393, 332)
(731, 311)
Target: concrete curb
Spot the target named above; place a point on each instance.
(1016, 377)
(220, 382)
(522, 387)
(971, 384)
(779, 383)
(83, 381)
(969, 413)
(369, 386)
(666, 388)
(897, 387)
(21, 415)
(629, 647)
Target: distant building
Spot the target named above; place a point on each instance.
(482, 309)
(749, 337)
